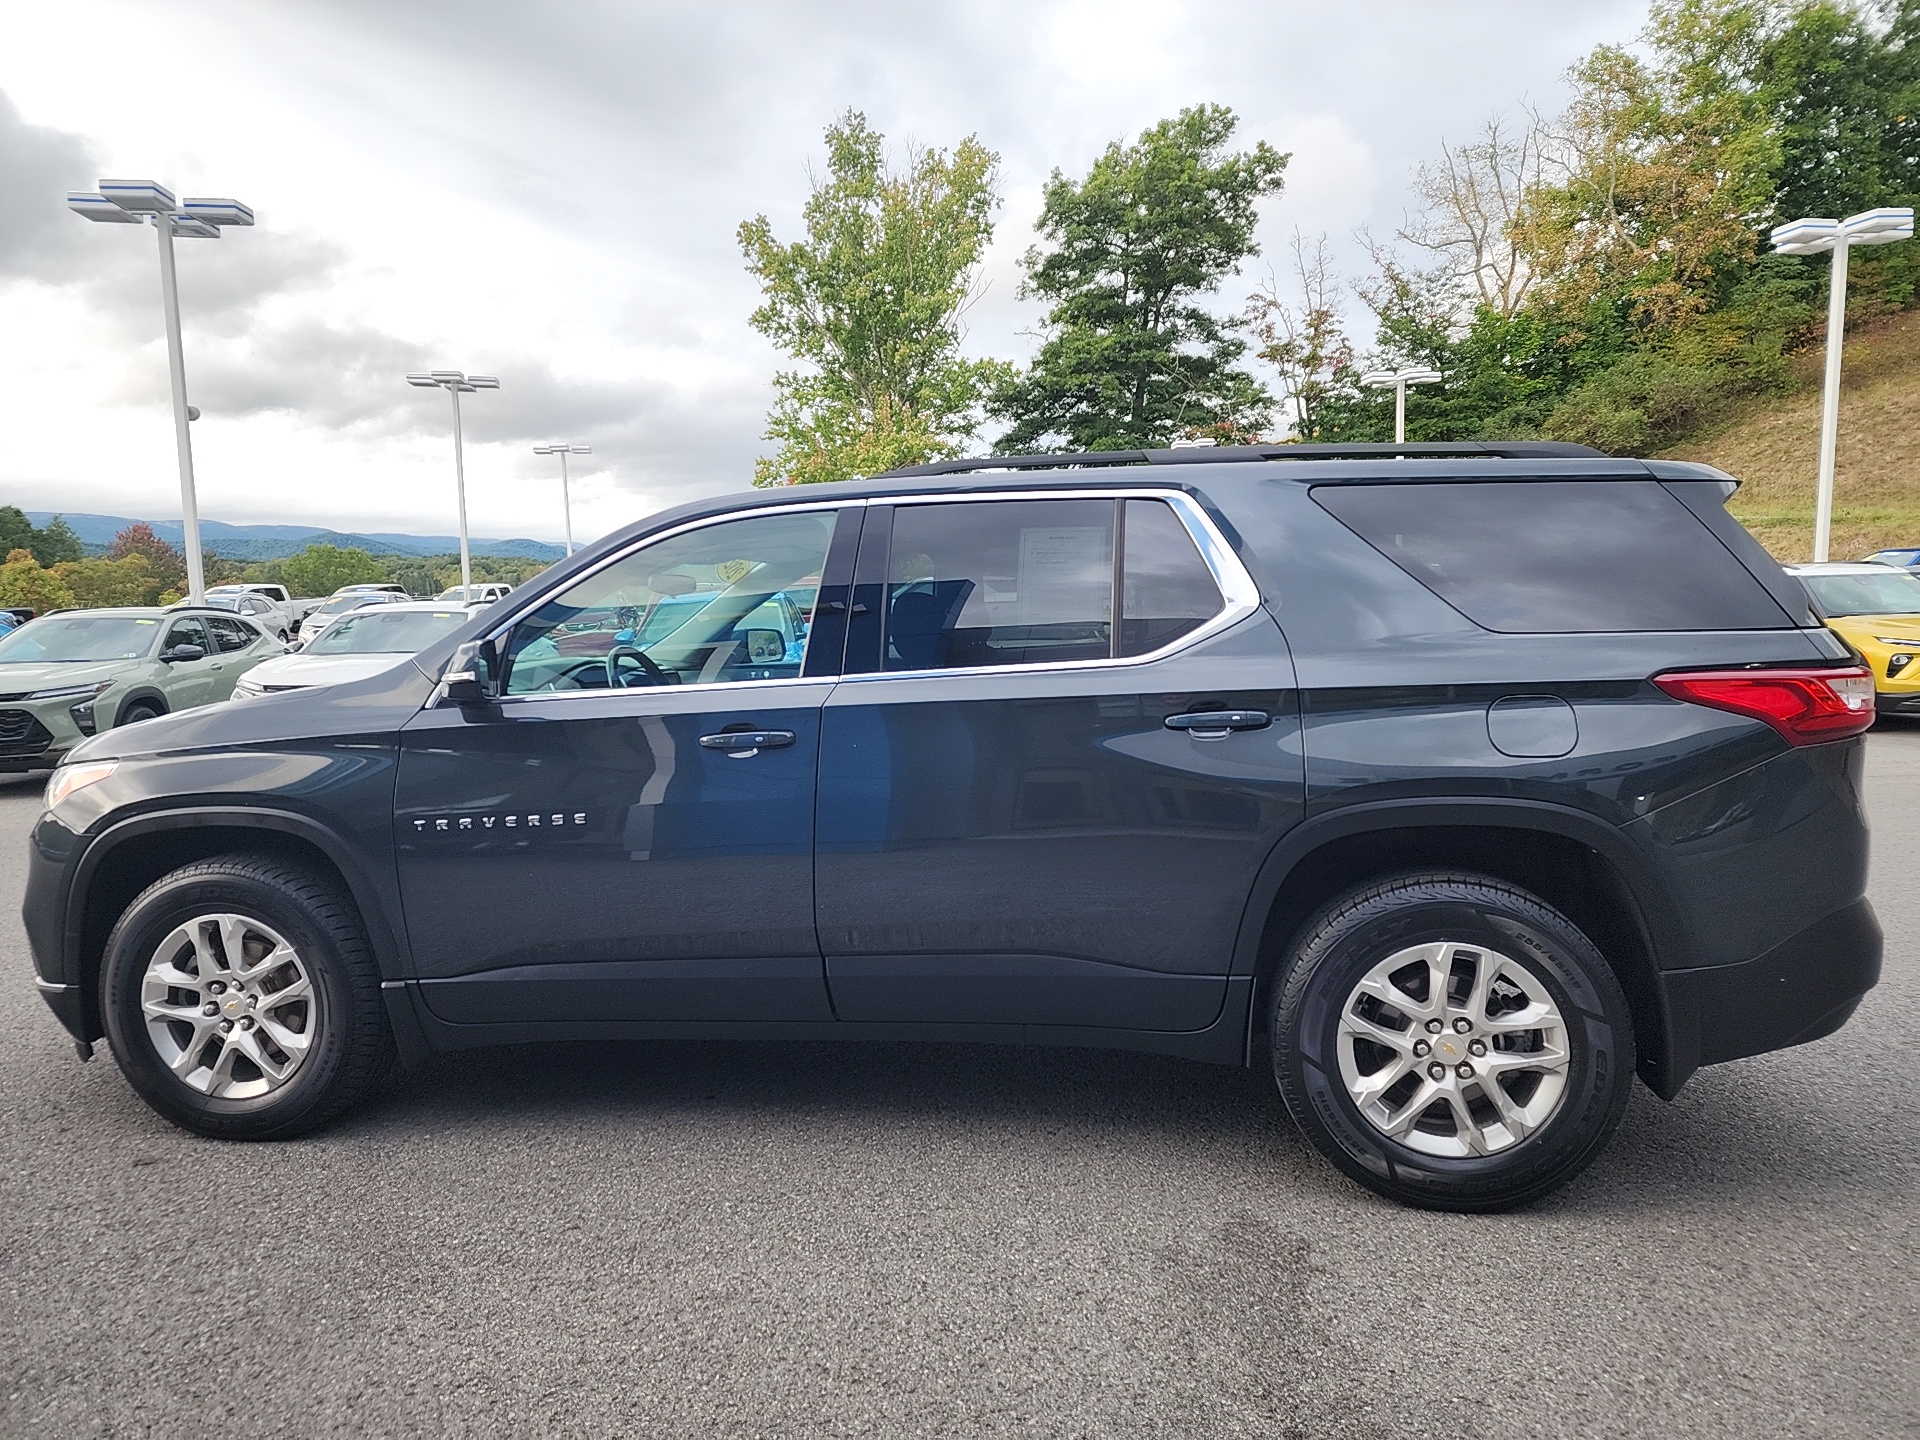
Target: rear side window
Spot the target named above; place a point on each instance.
(231, 634)
(1168, 588)
(1000, 582)
(1025, 582)
(1542, 556)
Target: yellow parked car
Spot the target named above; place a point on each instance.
(1875, 609)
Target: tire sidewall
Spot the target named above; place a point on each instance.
(1310, 1001)
(172, 902)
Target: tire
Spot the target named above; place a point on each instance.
(139, 710)
(337, 1044)
(1503, 959)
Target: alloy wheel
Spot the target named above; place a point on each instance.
(1453, 1049)
(230, 1007)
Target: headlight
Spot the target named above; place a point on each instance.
(69, 778)
(72, 692)
(1899, 642)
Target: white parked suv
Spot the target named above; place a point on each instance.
(261, 604)
(355, 645)
(342, 603)
(481, 594)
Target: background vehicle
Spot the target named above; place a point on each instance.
(268, 614)
(1451, 784)
(1879, 615)
(73, 674)
(1906, 559)
(359, 643)
(340, 604)
(484, 594)
(292, 610)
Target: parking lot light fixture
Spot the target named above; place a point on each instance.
(566, 500)
(1397, 381)
(140, 202)
(456, 384)
(1808, 236)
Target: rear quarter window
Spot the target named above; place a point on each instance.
(1559, 556)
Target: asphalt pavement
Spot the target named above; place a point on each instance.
(897, 1240)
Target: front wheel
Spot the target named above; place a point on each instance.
(241, 1000)
(1452, 1042)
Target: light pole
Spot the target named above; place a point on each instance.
(566, 500)
(1807, 237)
(134, 202)
(454, 383)
(1397, 381)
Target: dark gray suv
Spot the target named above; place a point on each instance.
(1456, 784)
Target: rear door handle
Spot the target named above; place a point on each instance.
(1218, 724)
(739, 744)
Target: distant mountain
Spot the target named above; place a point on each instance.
(276, 542)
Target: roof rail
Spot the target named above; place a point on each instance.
(1216, 454)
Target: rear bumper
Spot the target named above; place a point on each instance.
(1802, 989)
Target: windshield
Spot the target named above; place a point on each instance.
(342, 603)
(1889, 594)
(384, 631)
(223, 602)
(78, 638)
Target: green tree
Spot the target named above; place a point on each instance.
(23, 583)
(870, 305)
(107, 582)
(1131, 355)
(54, 543)
(1300, 335)
(323, 569)
(16, 531)
(166, 566)
(1843, 87)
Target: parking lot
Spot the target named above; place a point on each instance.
(721, 1239)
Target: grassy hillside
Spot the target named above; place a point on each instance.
(1772, 446)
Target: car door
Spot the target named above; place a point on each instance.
(238, 650)
(188, 683)
(625, 831)
(1027, 814)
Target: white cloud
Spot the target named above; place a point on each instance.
(550, 192)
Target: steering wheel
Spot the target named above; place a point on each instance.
(655, 674)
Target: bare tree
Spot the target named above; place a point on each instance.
(1300, 336)
(1476, 196)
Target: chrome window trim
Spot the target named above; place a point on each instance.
(1238, 592)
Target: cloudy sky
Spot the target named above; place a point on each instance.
(549, 192)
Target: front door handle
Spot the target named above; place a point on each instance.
(741, 744)
(1218, 724)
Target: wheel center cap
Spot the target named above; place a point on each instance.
(1450, 1048)
(234, 1004)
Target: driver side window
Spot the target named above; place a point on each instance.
(727, 602)
(186, 632)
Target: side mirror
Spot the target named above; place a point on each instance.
(468, 678)
(766, 647)
(183, 652)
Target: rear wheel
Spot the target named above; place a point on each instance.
(241, 1000)
(1452, 1042)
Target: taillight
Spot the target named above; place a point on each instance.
(1805, 706)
